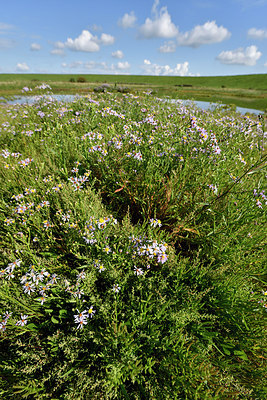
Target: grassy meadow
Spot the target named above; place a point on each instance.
(249, 91)
(132, 236)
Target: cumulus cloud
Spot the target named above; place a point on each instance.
(22, 67)
(117, 54)
(160, 26)
(168, 47)
(123, 65)
(106, 39)
(128, 20)
(254, 33)
(241, 56)
(85, 42)
(35, 47)
(156, 69)
(208, 33)
(58, 49)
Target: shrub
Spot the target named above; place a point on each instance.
(81, 79)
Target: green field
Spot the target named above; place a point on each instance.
(242, 90)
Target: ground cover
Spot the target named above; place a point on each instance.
(244, 90)
(132, 262)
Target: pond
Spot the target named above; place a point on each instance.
(204, 105)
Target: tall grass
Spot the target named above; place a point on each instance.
(132, 261)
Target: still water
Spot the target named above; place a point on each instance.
(204, 105)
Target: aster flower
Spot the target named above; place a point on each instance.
(23, 321)
(138, 271)
(116, 288)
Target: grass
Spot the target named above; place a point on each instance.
(133, 262)
(242, 90)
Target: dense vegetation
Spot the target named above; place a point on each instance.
(249, 91)
(132, 263)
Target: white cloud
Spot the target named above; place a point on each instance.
(85, 42)
(58, 49)
(161, 26)
(203, 34)
(128, 20)
(57, 52)
(23, 67)
(59, 45)
(35, 47)
(6, 43)
(117, 54)
(265, 65)
(107, 39)
(241, 56)
(156, 69)
(98, 67)
(96, 27)
(257, 33)
(168, 47)
(123, 65)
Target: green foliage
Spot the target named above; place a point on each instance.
(133, 265)
(81, 79)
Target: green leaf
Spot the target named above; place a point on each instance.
(63, 313)
(54, 320)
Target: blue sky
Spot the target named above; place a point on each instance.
(151, 37)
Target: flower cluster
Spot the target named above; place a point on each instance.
(81, 318)
(259, 197)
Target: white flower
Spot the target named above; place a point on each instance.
(23, 321)
(138, 271)
(116, 288)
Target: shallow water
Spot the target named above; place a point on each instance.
(204, 105)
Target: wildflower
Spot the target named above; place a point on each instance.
(258, 203)
(91, 312)
(81, 319)
(155, 222)
(23, 321)
(25, 163)
(45, 203)
(26, 89)
(47, 224)
(107, 249)
(28, 288)
(116, 288)
(53, 279)
(101, 268)
(8, 221)
(5, 153)
(57, 187)
(81, 275)
(138, 271)
(78, 293)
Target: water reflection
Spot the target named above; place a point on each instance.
(204, 105)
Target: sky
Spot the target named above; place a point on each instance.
(140, 37)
